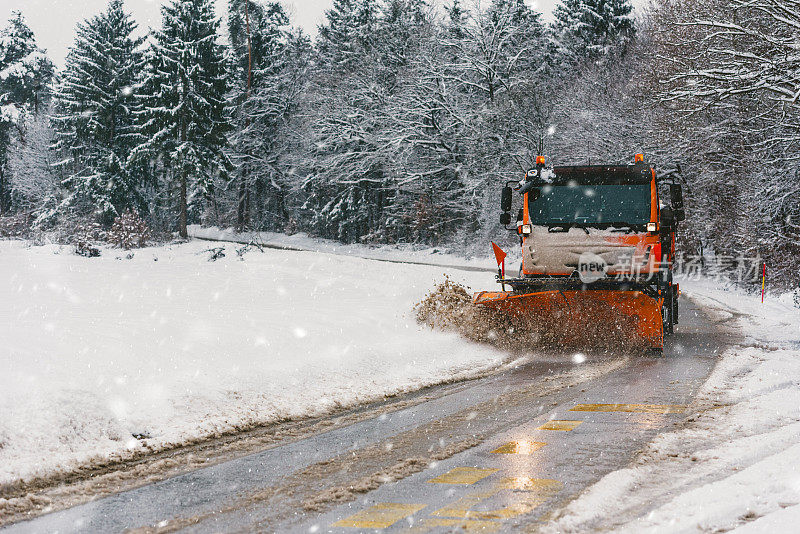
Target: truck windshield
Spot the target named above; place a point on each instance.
(590, 205)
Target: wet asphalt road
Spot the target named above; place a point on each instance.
(496, 454)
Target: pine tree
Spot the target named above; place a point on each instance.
(593, 29)
(94, 118)
(184, 121)
(348, 35)
(256, 31)
(25, 69)
(400, 25)
(25, 76)
(455, 20)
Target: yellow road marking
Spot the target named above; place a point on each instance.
(463, 475)
(519, 447)
(465, 525)
(646, 408)
(528, 492)
(560, 425)
(381, 515)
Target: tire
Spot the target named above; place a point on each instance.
(667, 314)
(674, 308)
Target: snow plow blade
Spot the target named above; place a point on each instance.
(583, 319)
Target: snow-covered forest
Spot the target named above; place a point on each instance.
(402, 119)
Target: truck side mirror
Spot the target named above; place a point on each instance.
(505, 199)
(667, 218)
(505, 219)
(676, 197)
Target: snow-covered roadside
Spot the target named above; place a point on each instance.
(398, 253)
(736, 464)
(104, 356)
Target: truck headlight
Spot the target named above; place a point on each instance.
(526, 229)
(652, 227)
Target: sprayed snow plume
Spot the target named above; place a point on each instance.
(449, 307)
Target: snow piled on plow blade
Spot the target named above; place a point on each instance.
(449, 307)
(589, 320)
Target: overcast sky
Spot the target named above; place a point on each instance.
(53, 21)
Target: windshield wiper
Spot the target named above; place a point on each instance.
(558, 228)
(622, 227)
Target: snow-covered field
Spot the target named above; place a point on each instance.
(736, 465)
(101, 356)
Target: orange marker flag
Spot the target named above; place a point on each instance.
(501, 258)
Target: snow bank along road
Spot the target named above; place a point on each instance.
(509, 451)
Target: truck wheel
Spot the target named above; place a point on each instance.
(675, 308)
(666, 314)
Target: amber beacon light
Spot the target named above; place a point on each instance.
(638, 158)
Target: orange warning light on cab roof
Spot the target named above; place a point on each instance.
(638, 158)
(540, 160)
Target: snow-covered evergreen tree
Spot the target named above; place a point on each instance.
(349, 34)
(256, 30)
(184, 124)
(25, 69)
(399, 27)
(25, 76)
(591, 30)
(94, 116)
(454, 23)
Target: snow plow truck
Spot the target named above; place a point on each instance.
(597, 254)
